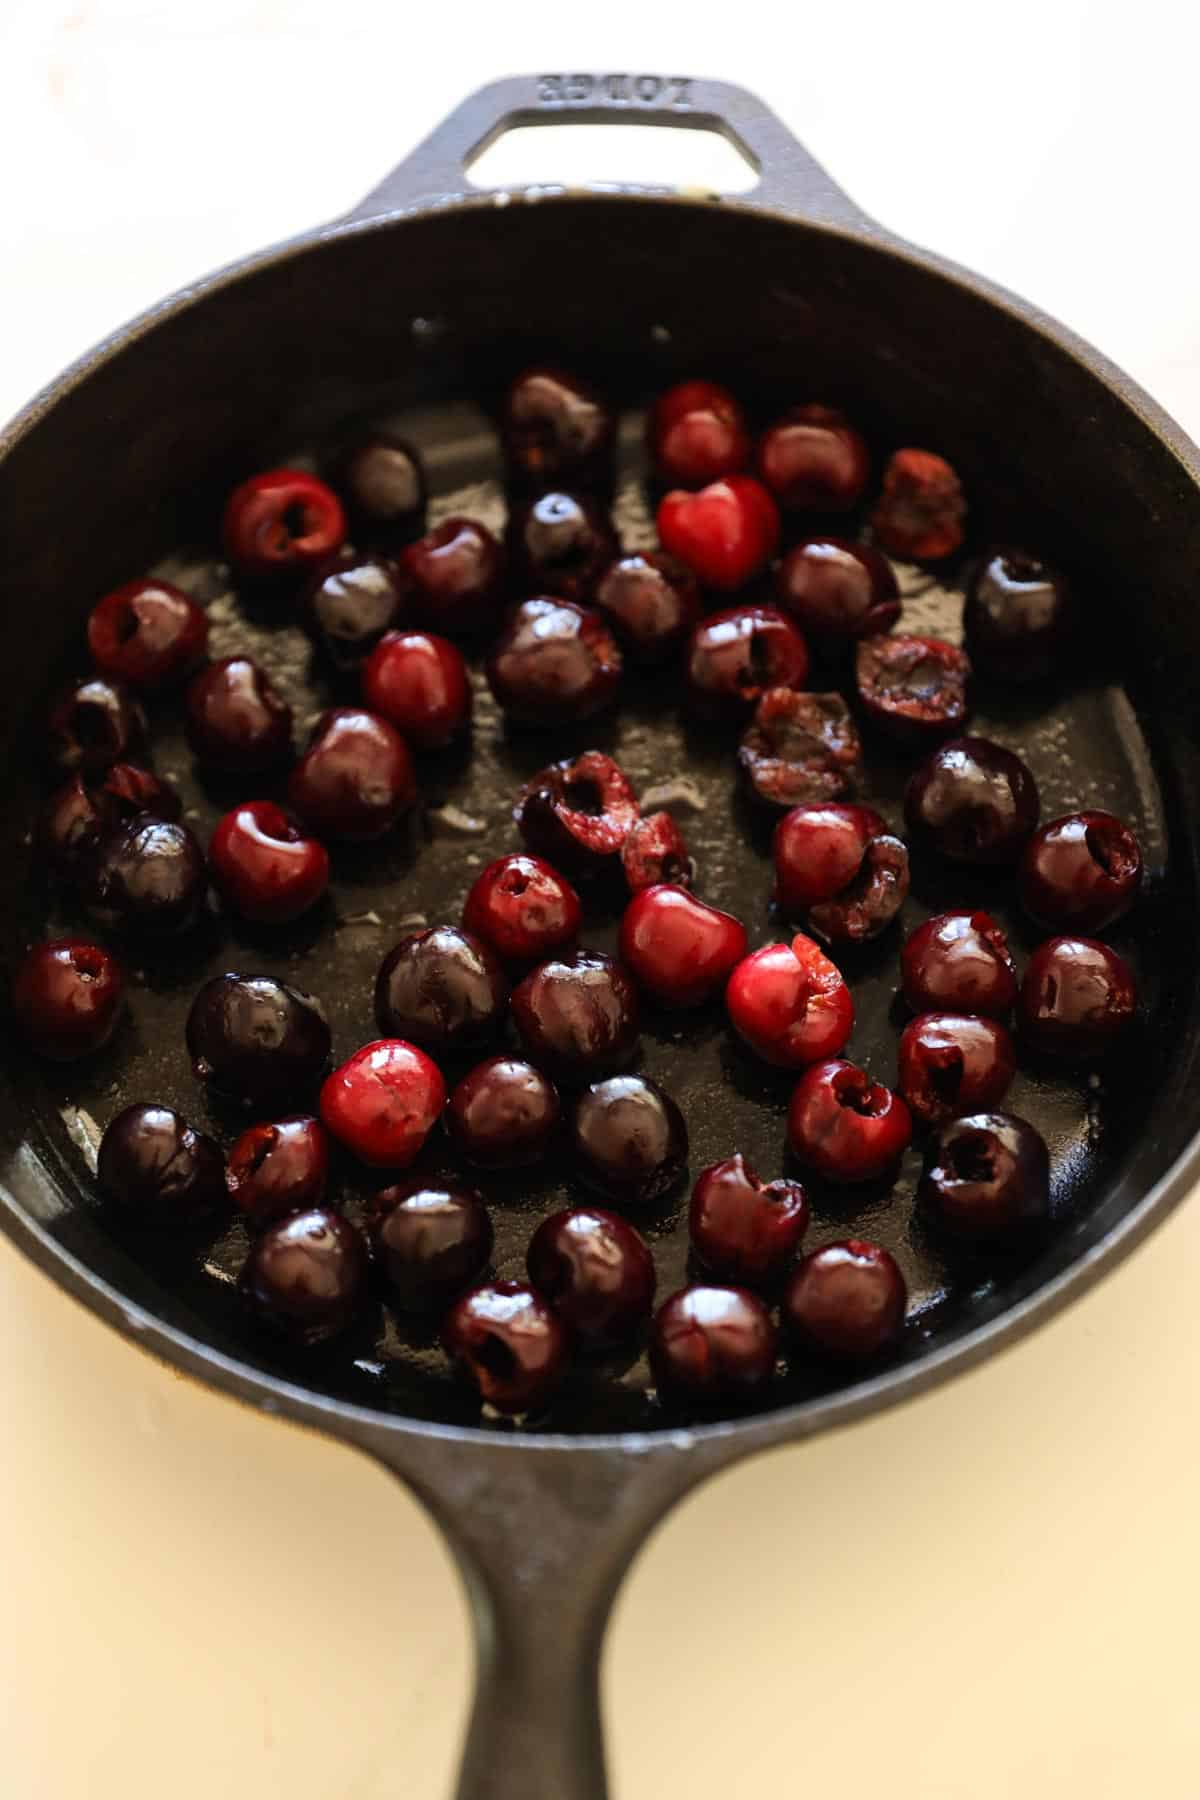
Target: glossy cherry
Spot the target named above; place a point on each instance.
(845, 1126)
(523, 908)
(257, 1040)
(94, 724)
(846, 1301)
(578, 813)
(147, 634)
(951, 1063)
(235, 719)
(264, 865)
(356, 778)
(912, 688)
(789, 1003)
(734, 657)
(799, 748)
(85, 809)
(307, 1275)
(711, 1343)
(725, 534)
(278, 1166)
(348, 605)
(680, 949)
(442, 989)
(1019, 617)
(503, 1114)
(456, 573)
(958, 962)
(1078, 999)
(818, 851)
(556, 428)
(154, 1165)
(382, 480)
(629, 1139)
(431, 1239)
(837, 590)
(1082, 871)
(655, 851)
(652, 602)
(986, 1177)
(578, 1016)
(866, 906)
(972, 801)
(596, 1271)
(383, 1102)
(920, 513)
(745, 1229)
(67, 996)
(813, 460)
(554, 663)
(509, 1343)
(419, 683)
(560, 544)
(696, 434)
(149, 876)
(282, 522)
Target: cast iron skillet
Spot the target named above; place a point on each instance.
(430, 292)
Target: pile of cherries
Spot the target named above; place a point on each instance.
(562, 609)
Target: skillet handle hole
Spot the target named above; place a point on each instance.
(699, 158)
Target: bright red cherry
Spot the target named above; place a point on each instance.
(596, 1271)
(679, 948)
(921, 510)
(743, 1228)
(147, 633)
(282, 522)
(712, 1343)
(523, 908)
(278, 1166)
(846, 1301)
(67, 997)
(697, 433)
(356, 778)
(953, 1063)
(419, 683)
(265, 866)
(725, 533)
(383, 1102)
(509, 1343)
(818, 851)
(813, 460)
(846, 1126)
(958, 962)
(790, 1004)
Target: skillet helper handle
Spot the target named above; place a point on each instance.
(790, 180)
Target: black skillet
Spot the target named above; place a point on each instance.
(416, 305)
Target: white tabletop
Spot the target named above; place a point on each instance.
(989, 1592)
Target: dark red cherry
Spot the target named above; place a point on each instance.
(151, 1163)
(819, 850)
(813, 460)
(94, 724)
(278, 1166)
(348, 605)
(913, 688)
(745, 1229)
(790, 1004)
(419, 683)
(734, 657)
(431, 1240)
(264, 865)
(236, 721)
(282, 522)
(800, 748)
(307, 1275)
(837, 590)
(958, 962)
(866, 906)
(680, 949)
(578, 813)
(696, 434)
(509, 1343)
(725, 534)
(554, 663)
(846, 1301)
(596, 1272)
(952, 1063)
(972, 801)
(382, 481)
(556, 428)
(147, 634)
(1078, 999)
(1082, 871)
(629, 1139)
(578, 1016)
(85, 809)
(356, 778)
(457, 576)
(1019, 616)
(986, 1177)
(503, 1114)
(652, 602)
(523, 908)
(655, 851)
(383, 1102)
(712, 1343)
(149, 876)
(67, 997)
(560, 544)
(921, 511)
(442, 989)
(257, 1040)
(846, 1126)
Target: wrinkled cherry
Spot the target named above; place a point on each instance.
(724, 534)
(1019, 616)
(800, 748)
(652, 602)
(83, 811)
(846, 1126)
(306, 1275)
(523, 908)
(711, 1343)
(383, 1102)
(235, 719)
(382, 481)
(442, 989)
(282, 522)
(147, 633)
(958, 962)
(734, 657)
(846, 1301)
(679, 948)
(419, 683)
(813, 460)
(745, 1229)
(790, 1004)
(951, 1063)
(697, 433)
(94, 724)
(349, 604)
(866, 906)
(278, 1166)
(356, 778)
(986, 1177)
(629, 1139)
(555, 428)
(596, 1271)
(560, 544)
(1078, 998)
(503, 1114)
(265, 866)
(457, 576)
(921, 510)
(554, 663)
(578, 1015)
(152, 1163)
(509, 1343)
(655, 851)
(914, 688)
(430, 1239)
(578, 813)
(1082, 871)
(67, 997)
(972, 801)
(818, 851)
(148, 875)
(838, 590)
(257, 1040)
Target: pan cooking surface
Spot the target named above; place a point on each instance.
(1082, 741)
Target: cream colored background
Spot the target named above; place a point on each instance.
(990, 1592)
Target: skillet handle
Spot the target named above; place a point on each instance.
(790, 180)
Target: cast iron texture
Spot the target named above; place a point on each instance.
(429, 291)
